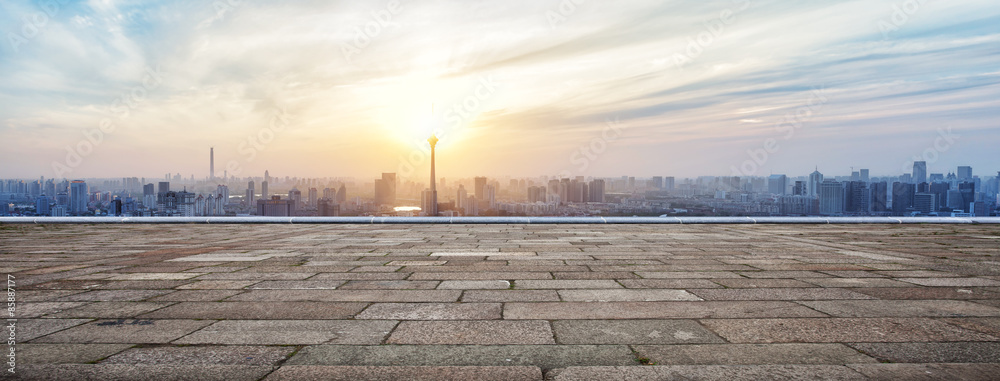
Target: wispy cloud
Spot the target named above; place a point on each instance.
(228, 68)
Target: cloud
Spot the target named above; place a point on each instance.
(358, 106)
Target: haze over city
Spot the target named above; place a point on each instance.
(519, 88)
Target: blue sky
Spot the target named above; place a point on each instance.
(319, 88)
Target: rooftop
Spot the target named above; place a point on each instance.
(504, 301)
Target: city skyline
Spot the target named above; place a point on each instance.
(521, 88)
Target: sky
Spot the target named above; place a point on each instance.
(111, 88)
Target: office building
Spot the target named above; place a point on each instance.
(480, 184)
(596, 191)
(879, 197)
(815, 179)
(777, 184)
(313, 197)
(925, 203)
(385, 190)
(78, 197)
(856, 197)
(919, 172)
(276, 207)
(831, 198)
(902, 197)
(964, 173)
(42, 204)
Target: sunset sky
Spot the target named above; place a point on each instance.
(335, 88)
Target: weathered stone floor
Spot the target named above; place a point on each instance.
(505, 302)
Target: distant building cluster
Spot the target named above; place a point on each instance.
(919, 193)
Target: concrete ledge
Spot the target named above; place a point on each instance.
(499, 220)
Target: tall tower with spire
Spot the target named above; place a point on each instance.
(211, 163)
(433, 207)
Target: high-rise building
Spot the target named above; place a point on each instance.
(275, 207)
(480, 183)
(327, 207)
(295, 197)
(263, 190)
(902, 197)
(668, 183)
(461, 196)
(385, 190)
(864, 175)
(78, 197)
(251, 194)
(856, 199)
(815, 179)
(831, 197)
(4, 208)
(965, 173)
(211, 163)
(42, 204)
(879, 196)
(538, 194)
(656, 182)
(777, 184)
(313, 197)
(925, 203)
(940, 189)
(490, 196)
(596, 191)
(919, 172)
(342, 194)
(799, 189)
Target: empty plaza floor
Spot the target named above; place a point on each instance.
(503, 302)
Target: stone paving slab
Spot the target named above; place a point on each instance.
(656, 310)
(432, 311)
(255, 310)
(832, 330)
(752, 354)
(67, 353)
(632, 332)
(543, 356)
(126, 331)
(928, 372)
(495, 332)
(986, 352)
(115, 372)
(414, 373)
(202, 355)
(291, 332)
(530, 301)
(709, 372)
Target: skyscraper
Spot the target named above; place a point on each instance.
(211, 163)
(919, 172)
(864, 175)
(263, 190)
(313, 197)
(480, 183)
(879, 196)
(776, 184)
(385, 190)
(815, 179)
(902, 197)
(831, 197)
(964, 173)
(433, 211)
(856, 199)
(78, 197)
(596, 193)
(250, 197)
